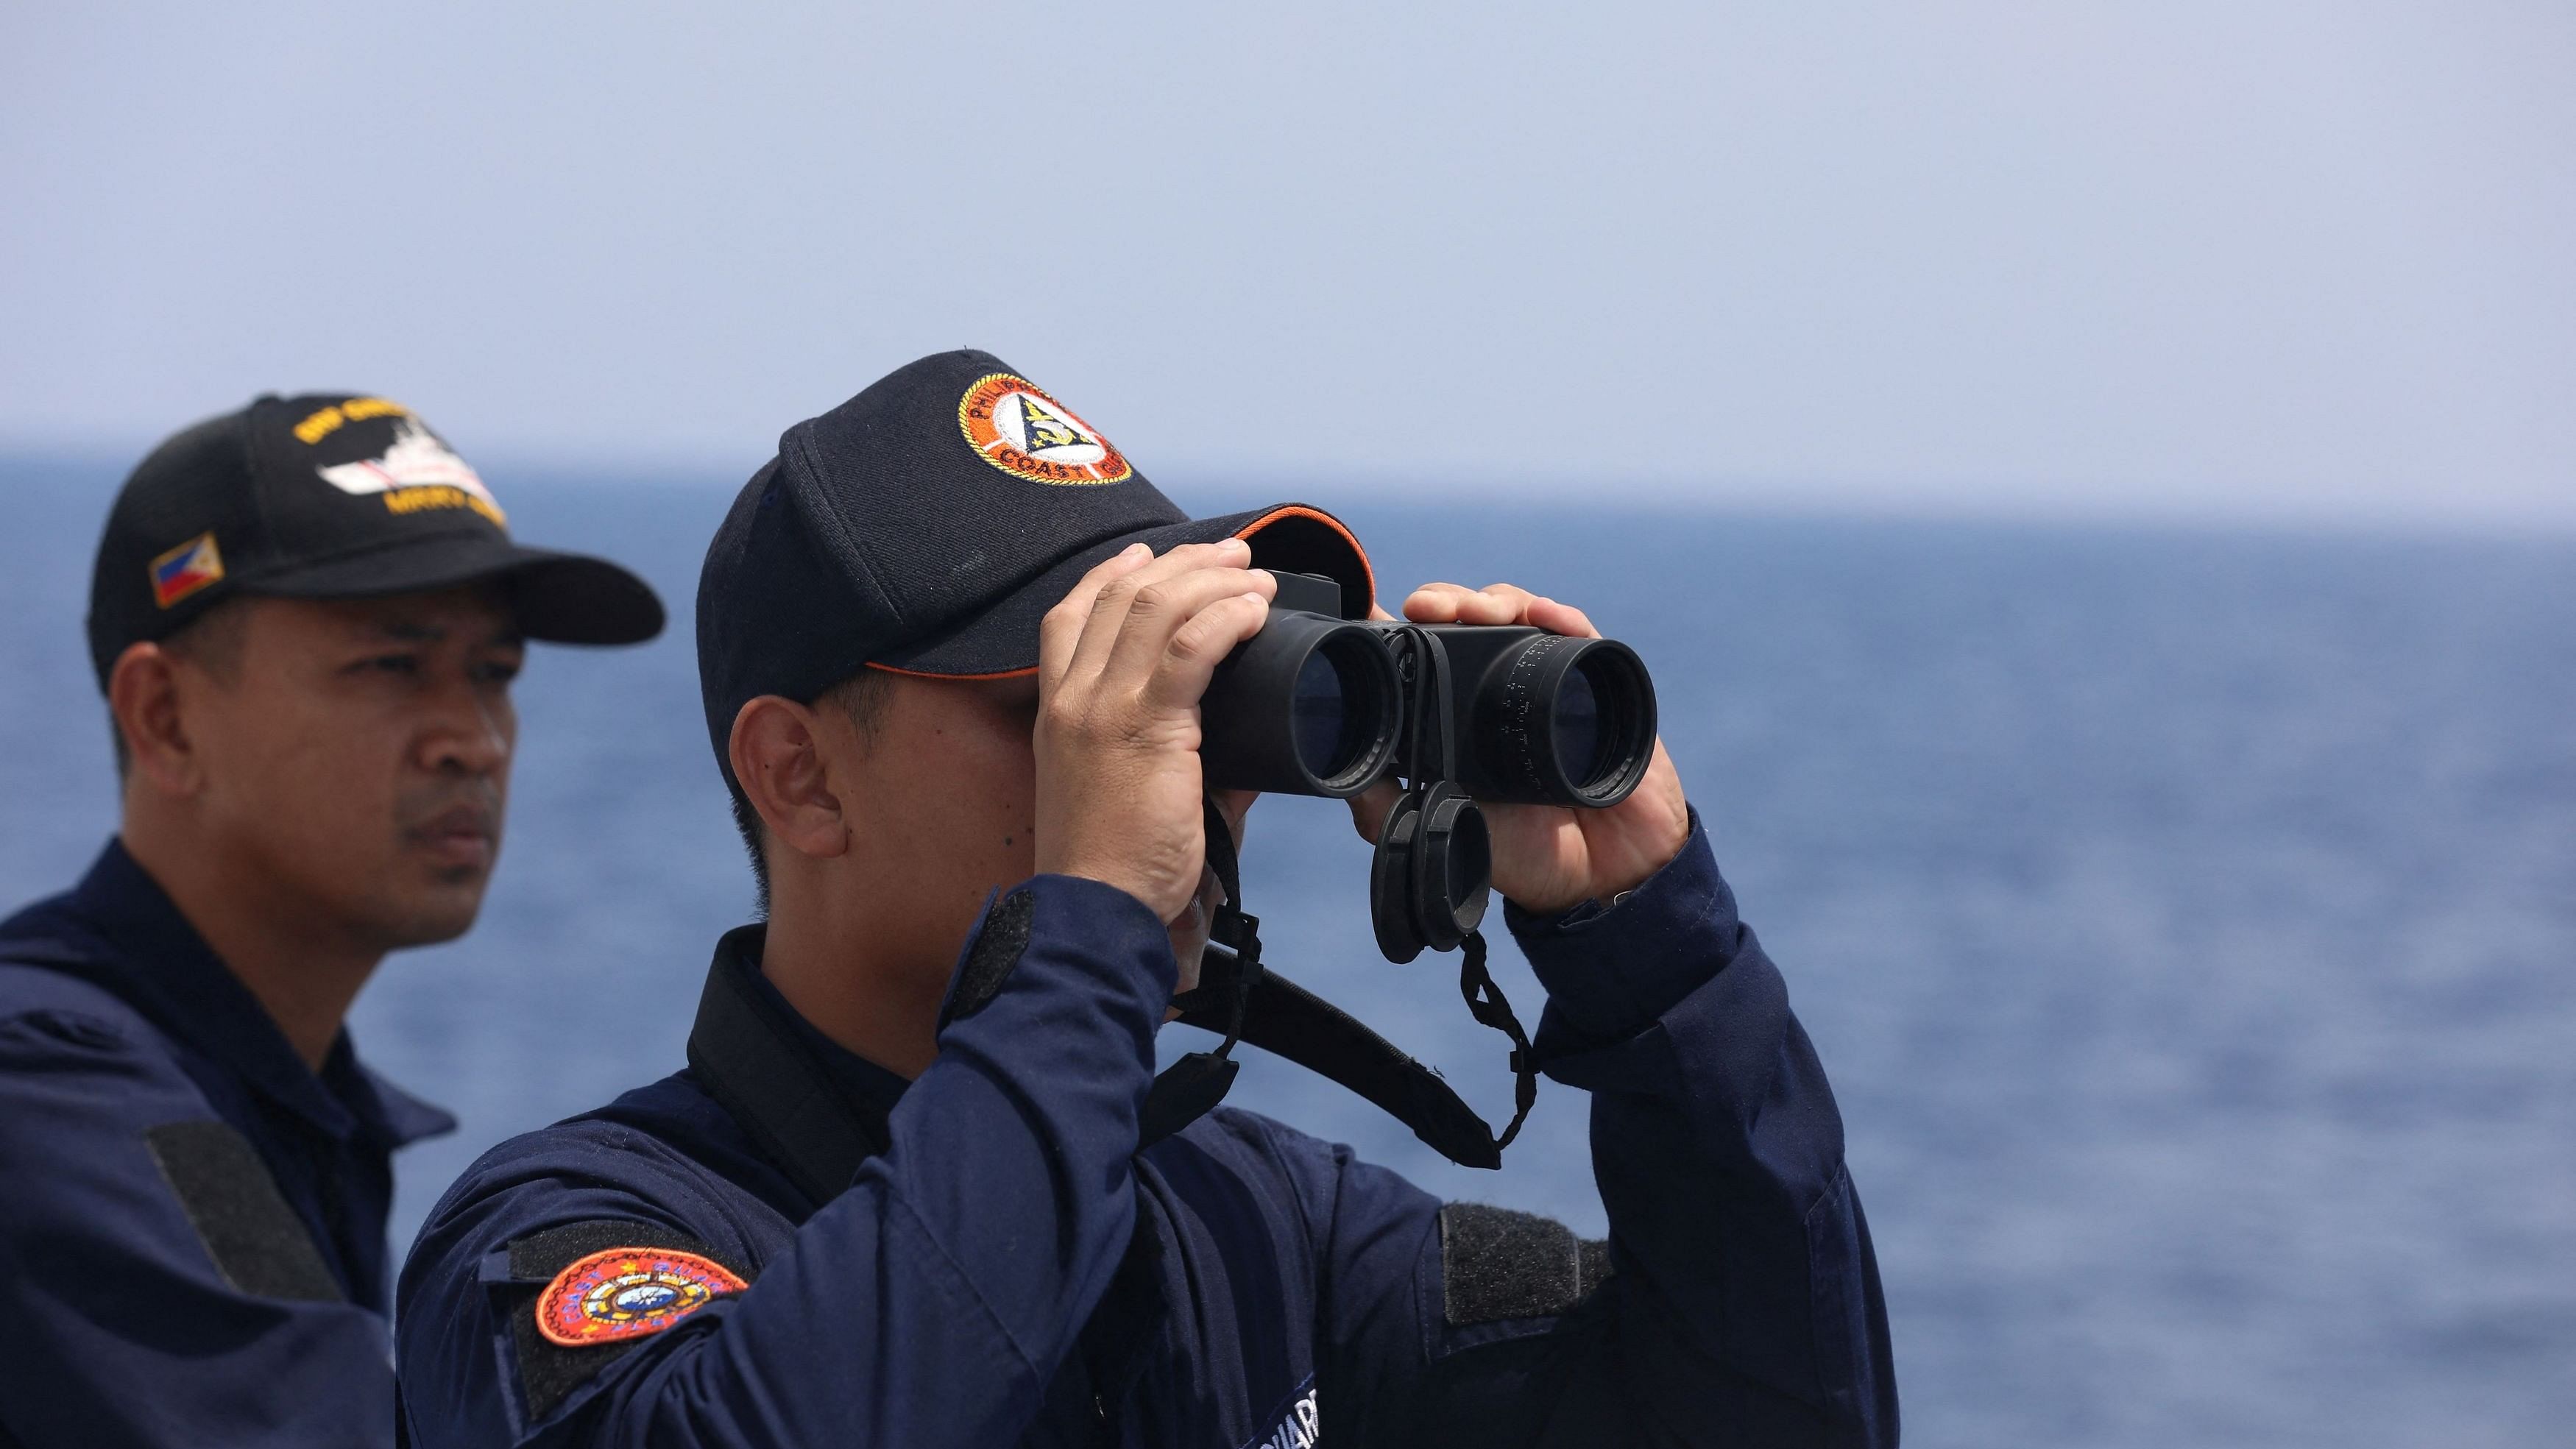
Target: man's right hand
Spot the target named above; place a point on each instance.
(1122, 662)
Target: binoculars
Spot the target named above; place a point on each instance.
(1317, 704)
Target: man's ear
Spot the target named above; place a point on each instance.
(143, 696)
(778, 757)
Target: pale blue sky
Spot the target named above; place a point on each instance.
(2241, 260)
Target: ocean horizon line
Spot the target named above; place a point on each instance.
(1860, 503)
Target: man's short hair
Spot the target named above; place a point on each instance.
(212, 641)
(861, 699)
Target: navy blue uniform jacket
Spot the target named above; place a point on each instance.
(1011, 1270)
(192, 1222)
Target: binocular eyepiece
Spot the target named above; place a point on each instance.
(1316, 704)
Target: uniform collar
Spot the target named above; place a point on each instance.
(400, 1118)
(866, 1083)
(157, 961)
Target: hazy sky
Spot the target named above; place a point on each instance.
(2245, 258)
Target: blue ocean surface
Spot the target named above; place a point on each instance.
(2188, 920)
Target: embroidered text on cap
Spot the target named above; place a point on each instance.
(416, 471)
(1012, 424)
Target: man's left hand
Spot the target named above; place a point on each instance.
(1548, 859)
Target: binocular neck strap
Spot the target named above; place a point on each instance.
(1485, 1003)
(1190, 1088)
(1240, 998)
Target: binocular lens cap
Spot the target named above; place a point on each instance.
(1432, 877)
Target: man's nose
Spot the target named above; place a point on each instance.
(470, 734)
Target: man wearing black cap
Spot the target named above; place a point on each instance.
(913, 1190)
(305, 616)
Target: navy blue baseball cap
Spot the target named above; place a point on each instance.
(330, 496)
(925, 527)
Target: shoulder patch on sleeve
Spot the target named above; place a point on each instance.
(258, 1243)
(606, 1287)
(1497, 1264)
(627, 1292)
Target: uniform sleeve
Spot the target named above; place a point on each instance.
(928, 1305)
(1737, 1301)
(112, 1298)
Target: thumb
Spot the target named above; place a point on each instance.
(1369, 808)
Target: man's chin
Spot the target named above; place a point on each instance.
(440, 914)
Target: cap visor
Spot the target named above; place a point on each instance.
(1003, 640)
(562, 598)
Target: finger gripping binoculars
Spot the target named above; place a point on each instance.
(1317, 704)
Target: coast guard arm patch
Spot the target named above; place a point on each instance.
(560, 1282)
(623, 1293)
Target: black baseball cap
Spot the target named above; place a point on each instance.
(330, 496)
(925, 527)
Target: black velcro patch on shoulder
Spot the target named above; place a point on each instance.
(996, 950)
(550, 1371)
(1496, 1264)
(539, 1256)
(258, 1243)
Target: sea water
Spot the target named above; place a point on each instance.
(2187, 919)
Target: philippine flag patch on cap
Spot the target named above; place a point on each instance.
(627, 1293)
(186, 569)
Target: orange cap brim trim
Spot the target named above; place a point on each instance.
(1299, 510)
(926, 674)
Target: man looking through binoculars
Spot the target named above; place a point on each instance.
(911, 1189)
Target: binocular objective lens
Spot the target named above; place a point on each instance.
(1326, 728)
(1577, 727)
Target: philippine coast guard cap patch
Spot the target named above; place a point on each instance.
(1013, 425)
(625, 1293)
